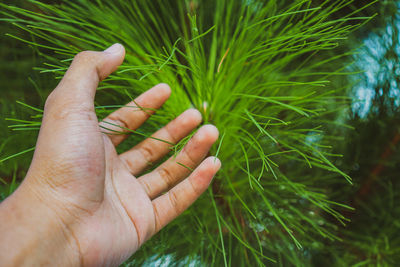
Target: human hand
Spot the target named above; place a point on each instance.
(81, 203)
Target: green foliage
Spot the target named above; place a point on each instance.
(261, 72)
(20, 82)
(373, 156)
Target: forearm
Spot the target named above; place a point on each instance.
(31, 234)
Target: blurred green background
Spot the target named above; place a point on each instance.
(371, 149)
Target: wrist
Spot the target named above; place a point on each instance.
(33, 234)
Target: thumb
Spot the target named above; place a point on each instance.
(68, 148)
(78, 86)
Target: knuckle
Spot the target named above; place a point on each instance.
(192, 162)
(147, 153)
(62, 107)
(167, 177)
(83, 56)
(173, 198)
(119, 120)
(170, 135)
(157, 223)
(131, 165)
(145, 186)
(49, 100)
(71, 113)
(194, 188)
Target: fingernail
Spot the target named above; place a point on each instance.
(115, 48)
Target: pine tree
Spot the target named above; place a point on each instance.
(261, 72)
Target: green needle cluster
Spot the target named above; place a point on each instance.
(260, 71)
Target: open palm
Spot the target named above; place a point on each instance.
(107, 211)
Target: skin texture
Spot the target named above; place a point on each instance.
(82, 203)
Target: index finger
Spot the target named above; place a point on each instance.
(134, 113)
